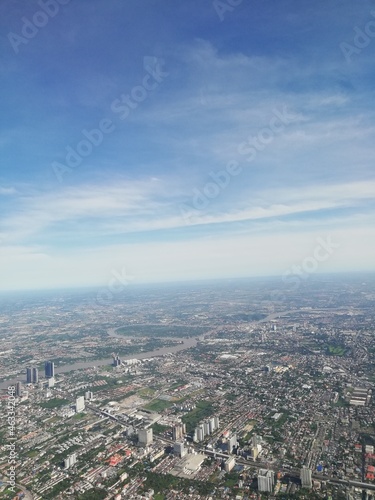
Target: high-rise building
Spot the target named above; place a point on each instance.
(80, 404)
(200, 432)
(229, 464)
(231, 443)
(70, 460)
(145, 436)
(266, 480)
(255, 440)
(217, 423)
(88, 395)
(179, 449)
(212, 425)
(32, 375)
(49, 369)
(255, 450)
(207, 429)
(305, 476)
(19, 389)
(177, 432)
(116, 360)
(195, 436)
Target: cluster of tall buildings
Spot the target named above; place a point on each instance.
(32, 375)
(116, 361)
(70, 460)
(266, 479)
(32, 372)
(205, 429)
(178, 431)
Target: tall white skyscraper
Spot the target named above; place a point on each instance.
(145, 436)
(70, 460)
(80, 404)
(232, 441)
(266, 480)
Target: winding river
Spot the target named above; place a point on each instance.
(81, 365)
(112, 332)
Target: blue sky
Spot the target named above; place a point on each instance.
(233, 138)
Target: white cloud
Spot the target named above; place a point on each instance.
(150, 205)
(208, 257)
(7, 191)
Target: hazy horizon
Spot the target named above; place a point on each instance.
(256, 278)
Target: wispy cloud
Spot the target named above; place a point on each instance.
(7, 190)
(153, 204)
(225, 81)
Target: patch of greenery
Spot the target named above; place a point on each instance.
(158, 428)
(335, 350)
(203, 410)
(158, 405)
(94, 494)
(54, 403)
(79, 416)
(178, 383)
(231, 479)
(146, 392)
(32, 453)
(162, 483)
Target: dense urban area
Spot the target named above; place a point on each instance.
(210, 390)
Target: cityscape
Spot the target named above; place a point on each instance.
(187, 235)
(204, 390)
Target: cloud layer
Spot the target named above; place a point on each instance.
(256, 140)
